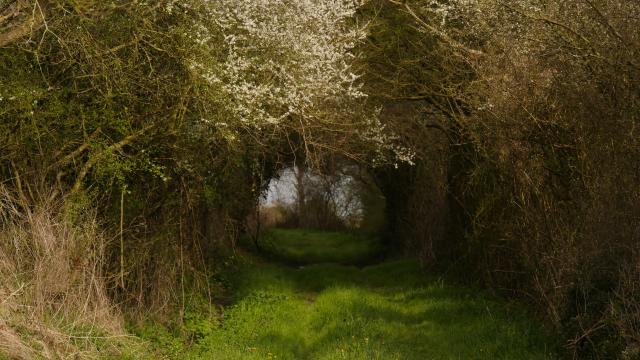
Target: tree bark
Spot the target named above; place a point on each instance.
(300, 194)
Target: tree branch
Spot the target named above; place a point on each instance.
(15, 23)
(91, 162)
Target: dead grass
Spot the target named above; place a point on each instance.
(53, 299)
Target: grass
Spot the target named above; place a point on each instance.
(392, 310)
(303, 246)
(54, 300)
(387, 311)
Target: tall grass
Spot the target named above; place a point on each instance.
(53, 293)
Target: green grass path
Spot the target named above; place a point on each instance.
(388, 311)
(392, 310)
(302, 246)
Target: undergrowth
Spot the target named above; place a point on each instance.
(53, 294)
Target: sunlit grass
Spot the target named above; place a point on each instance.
(328, 311)
(388, 311)
(310, 246)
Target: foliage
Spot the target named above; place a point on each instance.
(148, 107)
(534, 102)
(288, 68)
(170, 116)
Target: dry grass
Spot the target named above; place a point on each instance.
(53, 300)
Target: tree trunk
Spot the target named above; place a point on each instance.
(300, 194)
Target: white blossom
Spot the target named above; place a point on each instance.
(281, 66)
(284, 58)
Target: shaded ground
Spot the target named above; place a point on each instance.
(327, 311)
